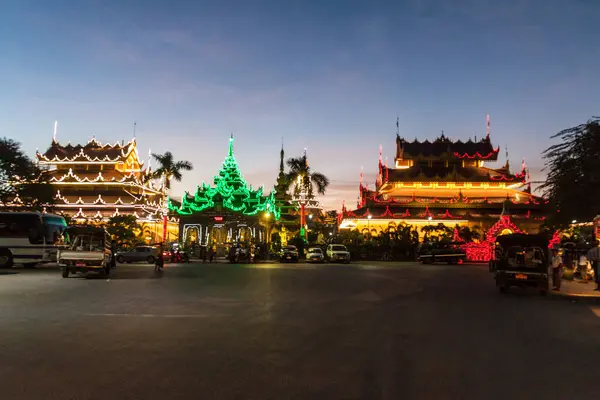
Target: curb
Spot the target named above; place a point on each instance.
(576, 296)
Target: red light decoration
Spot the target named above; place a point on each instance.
(387, 213)
(426, 214)
(477, 154)
(218, 219)
(484, 251)
(555, 240)
(456, 237)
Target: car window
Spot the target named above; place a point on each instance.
(316, 250)
(291, 248)
(141, 249)
(338, 247)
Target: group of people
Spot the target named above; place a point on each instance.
(591, 258)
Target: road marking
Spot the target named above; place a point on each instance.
(154, 315)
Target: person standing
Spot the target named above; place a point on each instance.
(593, 256)
(583, 266)
(557, 266)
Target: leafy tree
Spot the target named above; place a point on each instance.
(169, 169)
(468, 234)
(20, 176)
(572, 183)
(299, 169)
(276, 241)
(123, 229)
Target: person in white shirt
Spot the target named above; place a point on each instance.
(557, 266)
(583, 266)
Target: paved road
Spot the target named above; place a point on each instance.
(299, 331)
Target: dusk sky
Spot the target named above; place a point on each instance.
(329, 76)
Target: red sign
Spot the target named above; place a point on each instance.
(219, 219)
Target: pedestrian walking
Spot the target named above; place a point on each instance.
(211, 253)
(557, 266)
(594, 257)
(583, 266)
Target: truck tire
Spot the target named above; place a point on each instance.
(150, 259)
(65, 272)
(6, 259)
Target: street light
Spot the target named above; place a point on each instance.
(268, 217)
(369, 223)
(574, 221)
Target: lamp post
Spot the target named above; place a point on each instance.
(369, 224)
(267, 218)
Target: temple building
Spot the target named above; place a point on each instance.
(289, 221)
(444, 181)
(95, 181)
(229, 211)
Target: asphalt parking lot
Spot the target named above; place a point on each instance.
(293, 331)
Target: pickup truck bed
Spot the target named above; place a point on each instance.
(71, 261)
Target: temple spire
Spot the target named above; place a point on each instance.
(55, 131)
(487, 126)
(397, 125)
(231, 145)
(281, 156)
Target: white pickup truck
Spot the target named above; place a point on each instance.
(89, 250)
(337, 252)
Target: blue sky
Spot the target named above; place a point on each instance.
(329, 76)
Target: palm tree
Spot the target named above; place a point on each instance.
(299, 168)
(167, 170)
(301, 175)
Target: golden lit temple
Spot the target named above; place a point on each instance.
(444, 181)
(95, 181)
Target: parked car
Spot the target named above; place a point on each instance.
(337, 252)
(138, 253)
(289, 254)
(315, 254)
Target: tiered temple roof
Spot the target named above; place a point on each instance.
(96, 181)
(446, 180)
(230, 192)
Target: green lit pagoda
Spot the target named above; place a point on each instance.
(229, 211)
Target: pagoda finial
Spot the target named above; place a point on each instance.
(380, 153)
(231, 145)
(55, 131)
(487, 126)
(281, 156)
(361, 177)
(305, 158)
(134, 129)
(397, 125)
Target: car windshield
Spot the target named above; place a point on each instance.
(529, 257)
(88, 243)
(315, 250)
(290, 248)
(338, 247)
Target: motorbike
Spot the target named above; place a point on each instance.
(179, 256)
